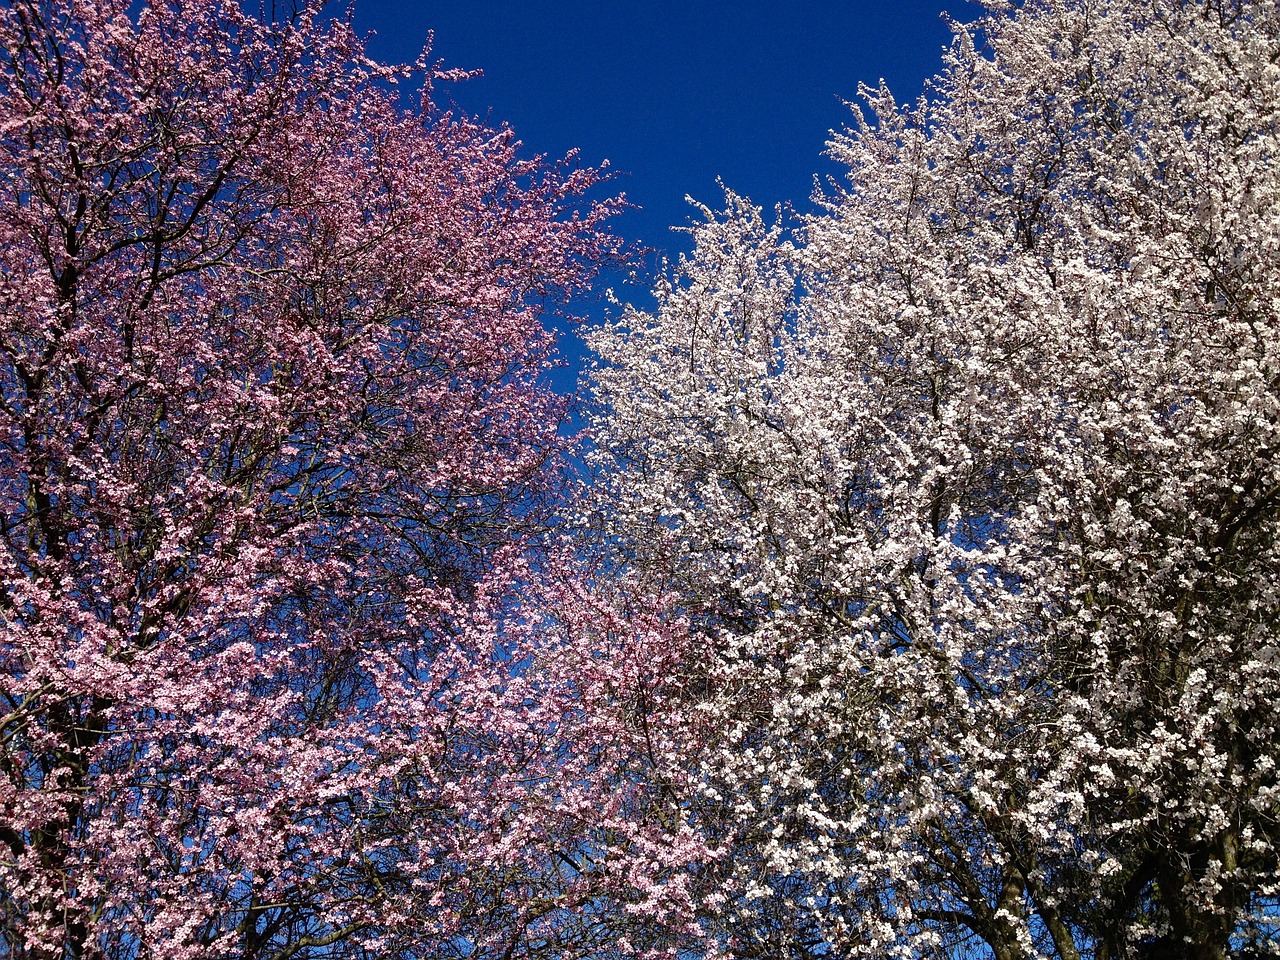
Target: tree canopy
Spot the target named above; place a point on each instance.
(275, 448)
(971, 489)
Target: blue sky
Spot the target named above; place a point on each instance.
(673, 94)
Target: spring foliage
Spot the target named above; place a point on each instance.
(927, 597)
(274, 447)
(972, 494)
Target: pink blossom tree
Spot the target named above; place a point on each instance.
(275, 451)
(981, 529)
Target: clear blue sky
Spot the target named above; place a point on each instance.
(673, 94)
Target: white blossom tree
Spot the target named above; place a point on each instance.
(974, 494)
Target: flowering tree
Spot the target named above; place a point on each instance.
(981, 525)
(273, 450)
